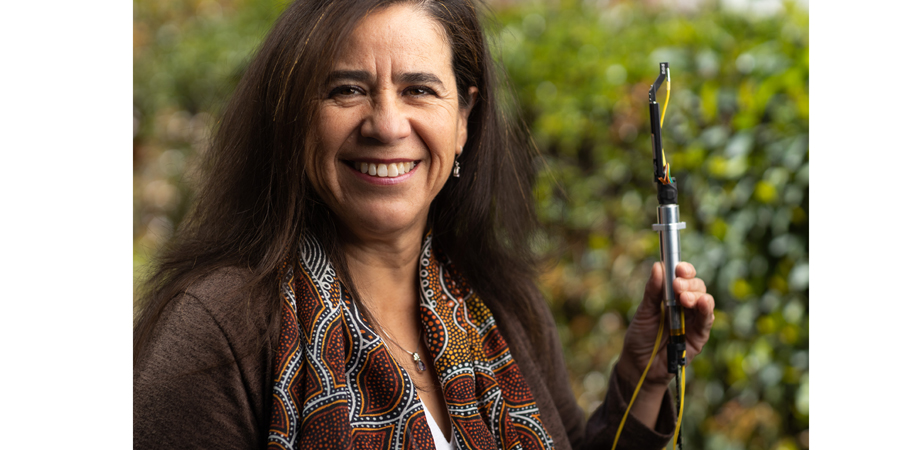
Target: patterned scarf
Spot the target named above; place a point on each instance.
(336, 386)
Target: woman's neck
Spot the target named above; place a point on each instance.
(385, 274)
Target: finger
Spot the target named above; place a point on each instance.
(655, 283)
(709, 309)
(685, 270)
(690, 299)
(701, 302)
(682, 285)
(700, 322)
(649, 308)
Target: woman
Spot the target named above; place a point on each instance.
(356, 271)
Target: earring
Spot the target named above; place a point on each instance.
(456, 169)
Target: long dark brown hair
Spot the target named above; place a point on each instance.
(255, 199)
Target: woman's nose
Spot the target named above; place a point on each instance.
(387, 121)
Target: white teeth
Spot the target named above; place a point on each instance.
(385, 170)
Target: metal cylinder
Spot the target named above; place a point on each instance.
(668, 228)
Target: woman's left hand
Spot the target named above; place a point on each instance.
(640, 336)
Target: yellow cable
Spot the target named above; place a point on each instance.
(667, 96)
(680, 415)
(641, 379)
(683, 386)
(664, 110)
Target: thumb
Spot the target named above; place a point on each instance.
(654, 287)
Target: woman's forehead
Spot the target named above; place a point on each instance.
(399, 39)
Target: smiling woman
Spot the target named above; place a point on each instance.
(341, 284)
(391, 100)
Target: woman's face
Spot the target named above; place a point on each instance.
(390, 105)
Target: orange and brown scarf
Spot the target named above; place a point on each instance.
(336, 386)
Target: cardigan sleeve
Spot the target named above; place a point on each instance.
(199, 384)
(603, 423)
(600, 429)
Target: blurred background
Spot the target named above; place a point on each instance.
(736, 135)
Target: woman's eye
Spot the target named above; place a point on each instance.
(345, 91)
(419, 91)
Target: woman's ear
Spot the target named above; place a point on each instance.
(463, 118)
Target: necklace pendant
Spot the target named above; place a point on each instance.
(418, 362)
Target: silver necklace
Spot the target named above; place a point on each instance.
(419, 364)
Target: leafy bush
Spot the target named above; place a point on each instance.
(736, 135)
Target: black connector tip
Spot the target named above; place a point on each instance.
(667, 194)
(676, 356)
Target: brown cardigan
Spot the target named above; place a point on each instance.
(206, 379)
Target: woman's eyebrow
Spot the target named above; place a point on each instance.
(352, 75)
(419, 77)
(364, 76)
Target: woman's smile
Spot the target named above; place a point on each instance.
(383, 172)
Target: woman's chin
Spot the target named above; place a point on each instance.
(384, 223)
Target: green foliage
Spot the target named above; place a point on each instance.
(188, 56)
(735, 133)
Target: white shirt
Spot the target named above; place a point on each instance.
(440, 443)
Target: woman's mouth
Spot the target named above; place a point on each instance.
(383, 170)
